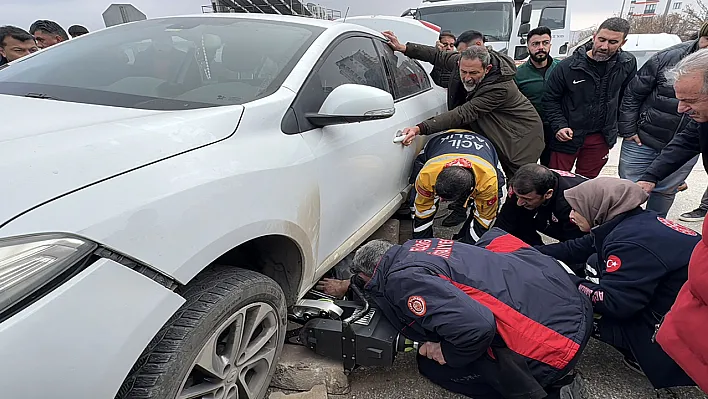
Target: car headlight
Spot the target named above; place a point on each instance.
(29, 263)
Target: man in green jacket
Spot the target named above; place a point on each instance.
(482, 97)
(531, 77)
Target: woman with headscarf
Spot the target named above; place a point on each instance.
(637, 262)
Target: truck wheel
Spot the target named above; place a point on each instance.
(223, 343)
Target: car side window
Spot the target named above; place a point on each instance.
(353, 60)
(409, 78)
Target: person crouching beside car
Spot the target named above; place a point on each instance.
(460, 167)
(536, 205)
(494, 320)
(637, 263)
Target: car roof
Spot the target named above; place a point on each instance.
(294, 19)
(407, 29)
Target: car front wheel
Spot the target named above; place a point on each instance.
(223, 343)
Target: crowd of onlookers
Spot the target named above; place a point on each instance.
(598, 96)
(648, 294)
(16, 42)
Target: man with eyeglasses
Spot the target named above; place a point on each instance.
(531, 78)
(440, 76)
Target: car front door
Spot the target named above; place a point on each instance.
(359, 165)
(413, 94)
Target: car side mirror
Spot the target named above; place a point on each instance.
(525, 14)
(524, 29)
(351, 103)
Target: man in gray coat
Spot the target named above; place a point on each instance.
(482, 97)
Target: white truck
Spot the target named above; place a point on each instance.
(504, 23)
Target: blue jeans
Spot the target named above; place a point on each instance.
(635, 159)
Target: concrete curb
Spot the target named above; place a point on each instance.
(317, 392)
(300, 369)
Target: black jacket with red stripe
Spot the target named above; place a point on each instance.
(470, 299)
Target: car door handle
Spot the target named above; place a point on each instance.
(399, 137)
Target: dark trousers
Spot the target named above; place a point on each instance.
(633, 339)
(591, 157)
(507, 376)
(634, 342)
(548, 135)
(504, 374)
(471, 230)
(704, 200)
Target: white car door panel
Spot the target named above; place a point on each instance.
(357, 166)
(415, 95)
(358, 163)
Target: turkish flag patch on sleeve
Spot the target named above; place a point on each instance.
(613, 263)
(417, 306)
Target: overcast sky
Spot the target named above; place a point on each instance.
(88, 12)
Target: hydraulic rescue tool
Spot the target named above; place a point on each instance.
(349, 330)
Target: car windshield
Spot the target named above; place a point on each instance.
(492, 19)
(166, 64)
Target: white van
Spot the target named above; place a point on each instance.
(504, 23)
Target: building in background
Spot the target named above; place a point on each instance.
(278, 7)
(651, 8)
(357, 66)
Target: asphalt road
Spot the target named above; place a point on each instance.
(604, 376)
(603, 372)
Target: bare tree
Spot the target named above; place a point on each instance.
(696, 16)
(579, 35)
(672, 23)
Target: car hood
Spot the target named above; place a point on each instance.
(50, 148)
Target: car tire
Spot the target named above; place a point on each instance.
(190, 352)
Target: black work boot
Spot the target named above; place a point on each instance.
(569, 387)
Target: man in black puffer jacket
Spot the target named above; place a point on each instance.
(582, 98)
(649, 119)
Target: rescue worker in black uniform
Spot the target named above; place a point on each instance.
(637, 263)
(536, 204)
(458, 166)
(495, 320)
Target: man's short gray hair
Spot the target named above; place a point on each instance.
(368, 256)
(694, 63)
(477, 53)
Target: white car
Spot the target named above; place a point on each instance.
(171, 186)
